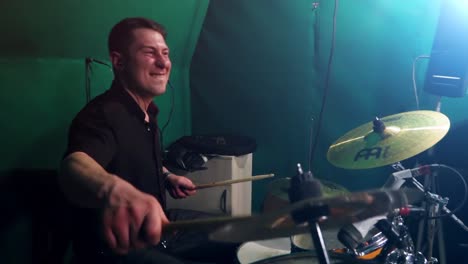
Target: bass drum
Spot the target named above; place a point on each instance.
(253, 251)
(310, 257)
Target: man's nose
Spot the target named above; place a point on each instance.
(161, 62)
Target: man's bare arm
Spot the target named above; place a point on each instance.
(130, 219)
(84, 181)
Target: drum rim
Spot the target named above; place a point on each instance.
(344, 259)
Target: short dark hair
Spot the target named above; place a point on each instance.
(121, 36)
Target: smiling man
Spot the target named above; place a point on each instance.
(112, 171)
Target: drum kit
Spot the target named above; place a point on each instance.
(278, 235)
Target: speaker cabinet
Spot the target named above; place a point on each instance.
(235, 199)
(447, 71)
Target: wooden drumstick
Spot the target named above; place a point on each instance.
(228, 182)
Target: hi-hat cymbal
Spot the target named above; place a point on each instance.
(388, 140)
(341, 210)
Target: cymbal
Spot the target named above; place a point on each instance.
(277, 193)
(388, 140)
(342, 210)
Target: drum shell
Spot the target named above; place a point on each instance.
(310, 257)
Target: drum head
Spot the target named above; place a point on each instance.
(253, 251)
(303, 242)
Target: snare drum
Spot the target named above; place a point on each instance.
(253, 251)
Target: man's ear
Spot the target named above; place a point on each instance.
(117, 60)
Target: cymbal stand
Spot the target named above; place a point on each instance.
(317, 238)
(434, 202)
(433, 209)
(311, 215)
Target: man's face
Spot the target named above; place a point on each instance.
(147, 65)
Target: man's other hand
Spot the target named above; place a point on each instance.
(180, 186)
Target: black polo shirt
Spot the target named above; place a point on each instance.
(112, 130)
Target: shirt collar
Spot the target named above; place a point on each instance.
(118, 90)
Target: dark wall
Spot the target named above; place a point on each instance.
(259, 70)
(263, 76)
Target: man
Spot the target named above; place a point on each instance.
(113, 169)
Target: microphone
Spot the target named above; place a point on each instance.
(353, 234)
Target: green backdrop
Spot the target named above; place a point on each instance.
(43, 46)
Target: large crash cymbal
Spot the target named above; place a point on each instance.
(341, 210)
(388, 140)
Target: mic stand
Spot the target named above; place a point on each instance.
(433, 210)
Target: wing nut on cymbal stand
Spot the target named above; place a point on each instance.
(378, 125)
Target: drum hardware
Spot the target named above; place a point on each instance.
(394, 244)
(326, 212)
(398, 236)
(436, 204)
(377, 242)
(388, 141)
(353, 235)
(342, 209)
(403, 249)
(393, 235)
(400, 247)
(316, 234)
(303, 186)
